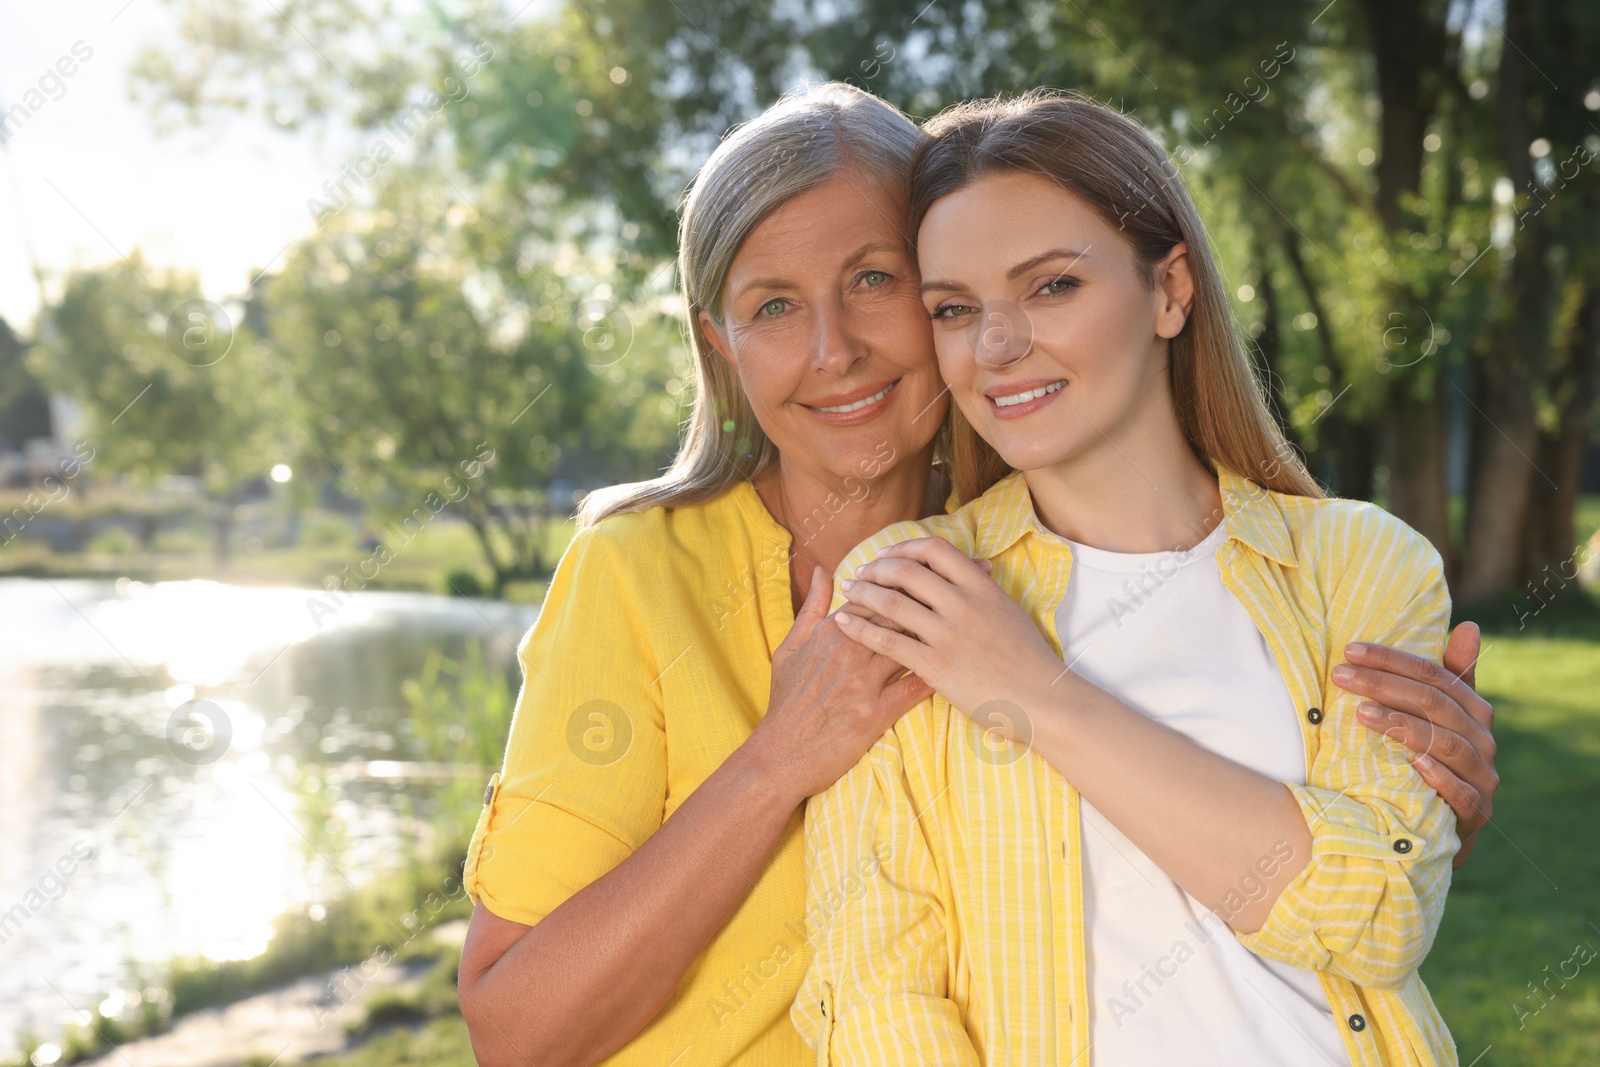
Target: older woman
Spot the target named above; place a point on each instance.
(638, 871)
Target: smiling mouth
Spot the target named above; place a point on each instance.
(857, 405)
(1031, 394)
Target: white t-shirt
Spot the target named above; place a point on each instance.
(1168, 982)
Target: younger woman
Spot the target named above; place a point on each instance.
(1176, 841)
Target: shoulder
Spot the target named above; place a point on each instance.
(1362, 559)
(1356, 534)
(686, 539)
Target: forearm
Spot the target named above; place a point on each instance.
(1205, 820)
(571, 990)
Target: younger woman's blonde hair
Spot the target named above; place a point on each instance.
(804, 140)
(1115, 166)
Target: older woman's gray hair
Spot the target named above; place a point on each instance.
(802, 141)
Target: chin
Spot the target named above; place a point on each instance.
(1035, 455)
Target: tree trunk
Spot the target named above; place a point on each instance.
(1501, 487)
(481, 522)
(1416, 433)
(1345, 457)
(1408, 50)
(1510, 365)
(1353, 457)
(1408, 44)
(1548, 547)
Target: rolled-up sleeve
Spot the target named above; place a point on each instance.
(584, 779)
(1368, 902)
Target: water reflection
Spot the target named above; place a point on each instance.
(117, 849)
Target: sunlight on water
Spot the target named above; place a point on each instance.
(230, 886)
(205, 632)
(189, 834)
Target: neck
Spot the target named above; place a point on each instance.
(1137, 488)
(827, 516)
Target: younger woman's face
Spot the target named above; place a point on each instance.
(823, 322)
(1052, 342)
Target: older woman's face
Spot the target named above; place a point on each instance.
(823, 321)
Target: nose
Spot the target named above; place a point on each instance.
(835, 343)
(1000, 335)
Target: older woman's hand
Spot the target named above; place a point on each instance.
(830, 699)
(1437, 713)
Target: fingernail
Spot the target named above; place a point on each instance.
(1355, 649)
(1369, 712)
(845, 619)
(1344, 673)
(845, 584)
(1424, 762)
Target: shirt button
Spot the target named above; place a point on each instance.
(1402, 844)
(1314, 715)
(1357, 1023)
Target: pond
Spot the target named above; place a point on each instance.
(156, 739)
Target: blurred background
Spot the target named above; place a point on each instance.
(318, 316)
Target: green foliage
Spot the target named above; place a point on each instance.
(387, 915)
(437, 361)
(460, 713)
(429, 997)
(166, 385)
(440, 1043)
(460, 582)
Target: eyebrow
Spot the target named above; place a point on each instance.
(942, 286)
(855, 257)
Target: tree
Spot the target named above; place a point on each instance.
(1373, 172)
(167, 381)
(426, 378)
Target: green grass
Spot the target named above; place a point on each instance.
(1531, 892)
(440, 1043)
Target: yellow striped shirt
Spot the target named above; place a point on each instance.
(944, 875)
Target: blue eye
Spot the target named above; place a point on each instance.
(874, 278)
(773, 307)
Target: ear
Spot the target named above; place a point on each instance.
(1174, 291)
(716, 338)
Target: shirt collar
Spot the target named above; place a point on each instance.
(1255, 519)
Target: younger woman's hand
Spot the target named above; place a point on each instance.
(831, 699)
(940, 615)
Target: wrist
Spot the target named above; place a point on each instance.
(1048, 700)
(761, 775)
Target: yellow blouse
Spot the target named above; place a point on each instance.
(650, 663)
(943, 873)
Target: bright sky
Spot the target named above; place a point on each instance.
(87, 179)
